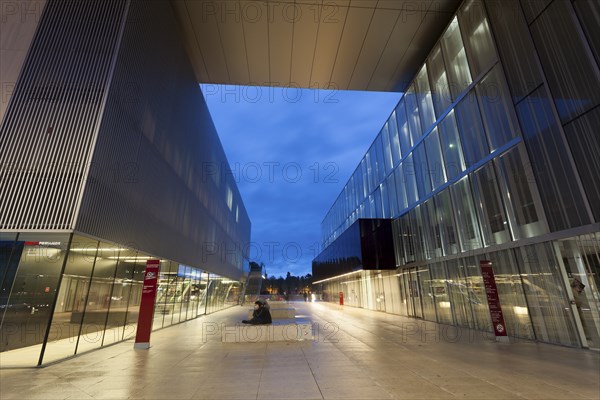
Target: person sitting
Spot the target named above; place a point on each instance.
(261, 314)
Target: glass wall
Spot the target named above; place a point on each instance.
(30, 281)
(581, 258)
(476, 293)
(470, 126)
(477, 36)
(547, 291)
(459, 76)
(471, 113)
(585, 142)
(393, 303)
(466, 216)
(441, 289)
(58, 300)
(570, 68)
(421, 171)
(460, 298)
(125, 298)
(427, 300)
(93, 314)
(431, 235)
(547, 297)
(425, 98)
(72, 300)
(496, 144)
(435, 161)
(447, 226)
(462, 95)
(429, 141)
(412, 115)
(165, 299)
(497, 111)
(372, 290)
(490, 207)
(509, 283)
(525, 209)
(563, 201)
(454, 162)
(222, 292)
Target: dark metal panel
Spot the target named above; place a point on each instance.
(159, 178)
(48, 132)
(367, 244)
(377, 244)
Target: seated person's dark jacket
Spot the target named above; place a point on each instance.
(260, 316)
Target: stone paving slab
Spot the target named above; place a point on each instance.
(354, 354)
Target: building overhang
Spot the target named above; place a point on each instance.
(328, 44)
(367, 244)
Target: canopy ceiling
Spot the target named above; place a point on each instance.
(342, 44)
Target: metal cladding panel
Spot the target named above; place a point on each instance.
(159, 180)
(341, 257)
(367, 244)
(48, 132)
(19, 20)
(347, 44)
(377, 244)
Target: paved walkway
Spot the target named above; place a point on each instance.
(356, 354)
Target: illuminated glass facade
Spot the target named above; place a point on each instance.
(90, 291)
(491, 154)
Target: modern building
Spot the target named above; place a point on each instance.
(491, 155)
(109, 159)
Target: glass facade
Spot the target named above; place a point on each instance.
(535, 298)
(496, 145)
(64, 294)
(30, 274)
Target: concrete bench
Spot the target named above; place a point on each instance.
(281, 330)
(279, 313)
(279, 310)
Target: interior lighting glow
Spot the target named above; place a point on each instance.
(99, 249)
(520, 310)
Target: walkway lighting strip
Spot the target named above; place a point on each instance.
(339, 276)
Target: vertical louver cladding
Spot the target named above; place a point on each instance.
(49, 129)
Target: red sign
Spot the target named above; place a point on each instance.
(144, 327)
(491, 290)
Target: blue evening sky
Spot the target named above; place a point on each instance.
(292, 151)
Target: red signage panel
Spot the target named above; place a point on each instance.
(493, 300)
(146, 315)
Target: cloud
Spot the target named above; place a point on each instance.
(304, 151)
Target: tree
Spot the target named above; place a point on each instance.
(291, 284)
